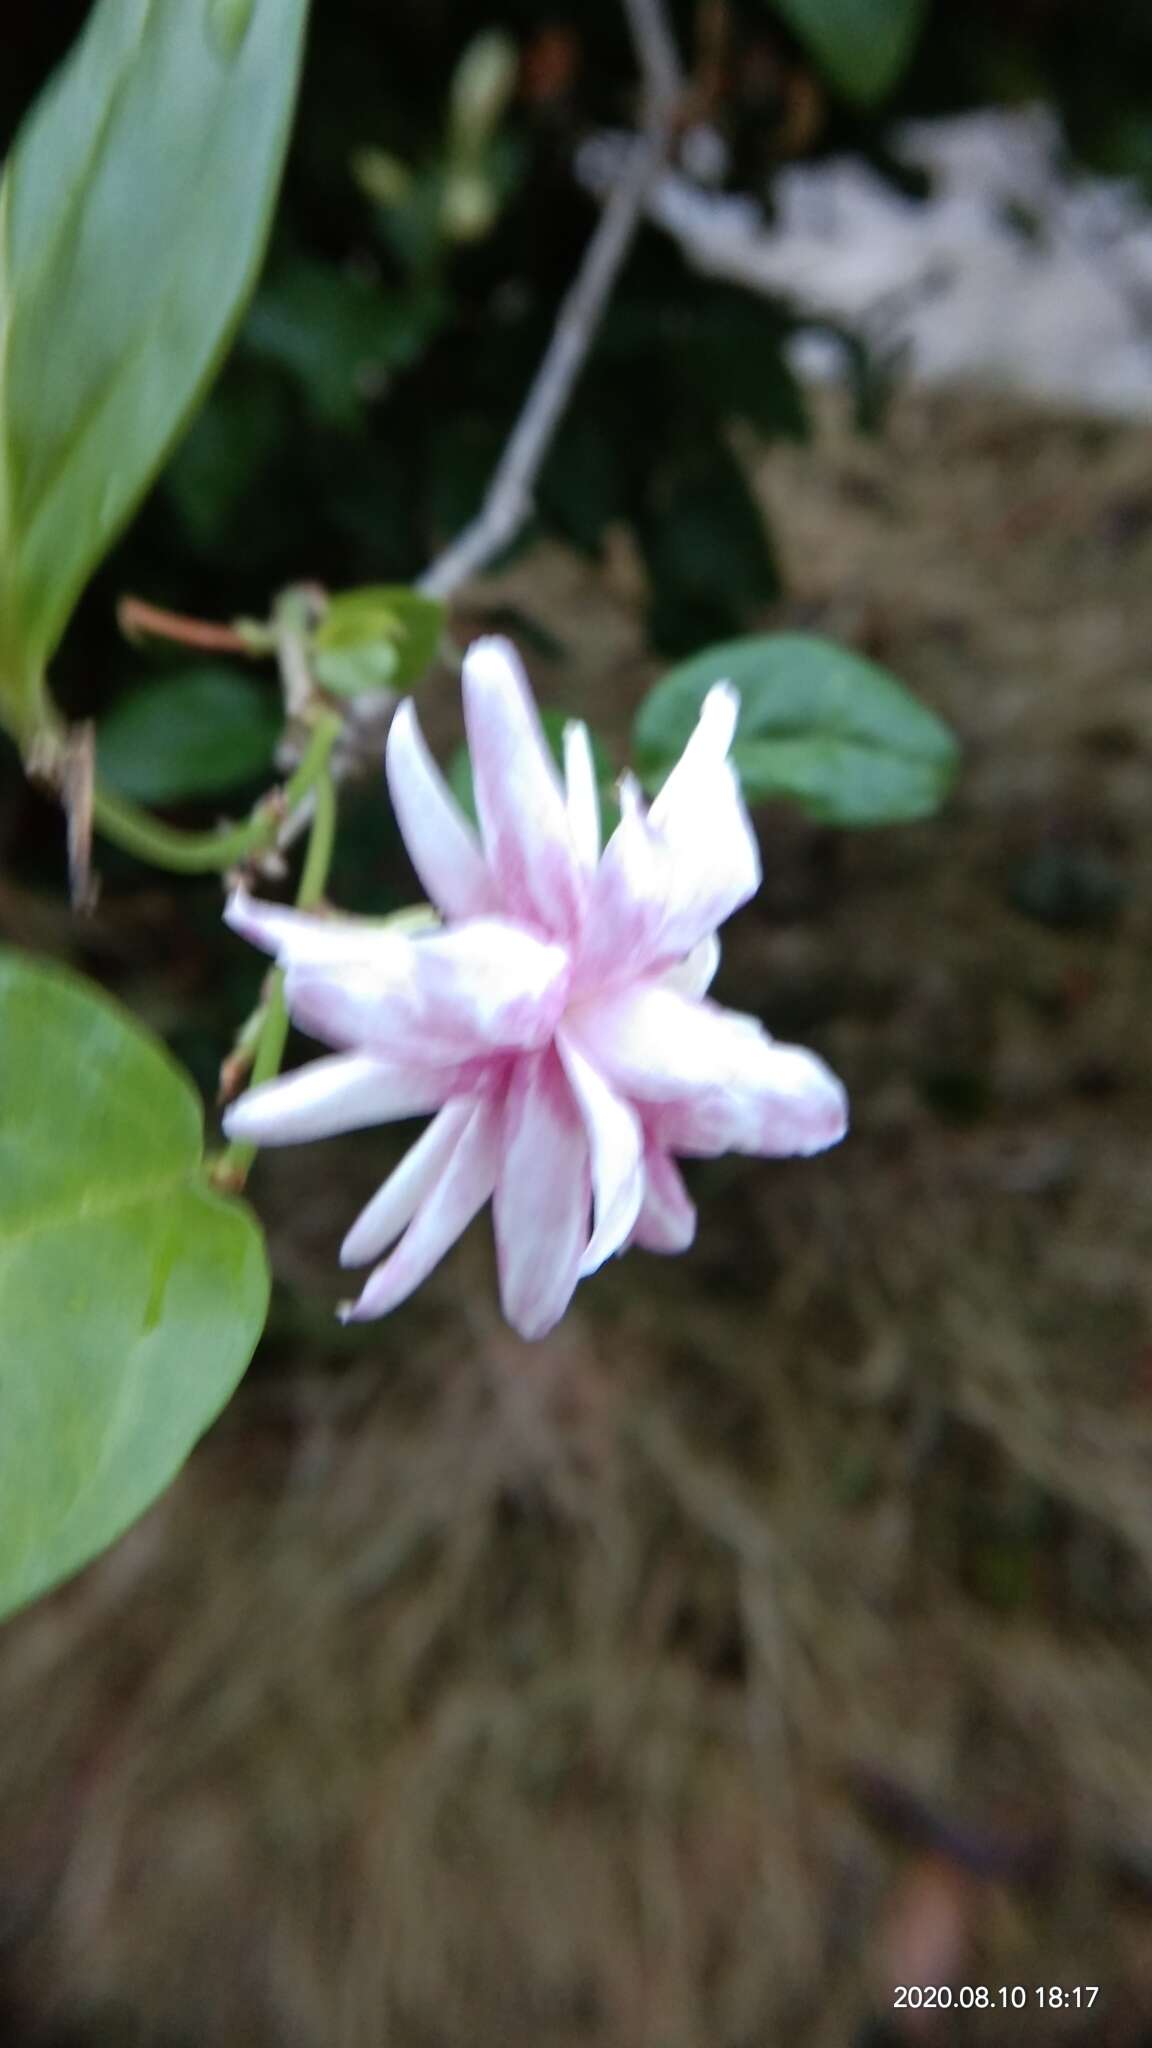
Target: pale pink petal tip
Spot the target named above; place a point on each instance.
(493, 661)
(828, 1098)
(720, 714)
(244, 915)
(520, 801)
(583, 795)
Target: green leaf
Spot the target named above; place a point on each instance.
(133, 215)
(131, 1295)
(189, 735)
(862, 46)
(818, 724)
(383, 636)
(336, 333)
(229, 21)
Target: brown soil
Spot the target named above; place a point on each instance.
(781, 1630)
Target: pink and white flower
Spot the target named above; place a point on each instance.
(555, 1024)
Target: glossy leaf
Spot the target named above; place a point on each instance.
(188, 735)
(862, 46)
(384, 636)
(818, 724)
(133, 214)
(131, 1295)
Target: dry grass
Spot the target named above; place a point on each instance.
(779, 1630)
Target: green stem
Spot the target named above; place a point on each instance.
(201, 853)
(321, 840)
(234, 1165)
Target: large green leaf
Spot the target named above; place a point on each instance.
(133, 213)
(131, 1295)
(190, 735)
(817, 723)
(862, 46)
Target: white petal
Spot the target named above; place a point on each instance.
(707, 749)
(616, 1144)
(460, 1191)
(669, 876)
(667, 1219)
(543, 1195)
(710, 860)
(721, 1082)
(450, 995)
(519, 799)
(693, 976)
(442, 845)
(626, 901)
(583, 795)
(393, 1206)
(794, 1107)
(301, 935)
(341, 1094)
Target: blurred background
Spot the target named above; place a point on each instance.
(779, 1631)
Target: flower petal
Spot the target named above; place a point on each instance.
(693, 976)
(626, 901)
(708, 851)
(721, 1083)
(519, 799)
(616, 1145)
(583, 795)
(394, 1204)
(454, 1199)
(456, 994)
(442, 845)
(667, 1219)
(669, 876)
(345, 1093)
(302, 937)
(543, 1195)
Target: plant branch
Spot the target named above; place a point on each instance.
(141, 621)
(656, 54)
(508, 501)
(199, 853)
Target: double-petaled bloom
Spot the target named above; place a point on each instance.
(555, 1023)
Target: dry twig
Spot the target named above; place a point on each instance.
(509, 498)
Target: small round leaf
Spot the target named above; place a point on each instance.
(131, 1294)
(381, 637)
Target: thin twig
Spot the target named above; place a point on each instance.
(657, 57)
(141, 621)
(509, 497)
